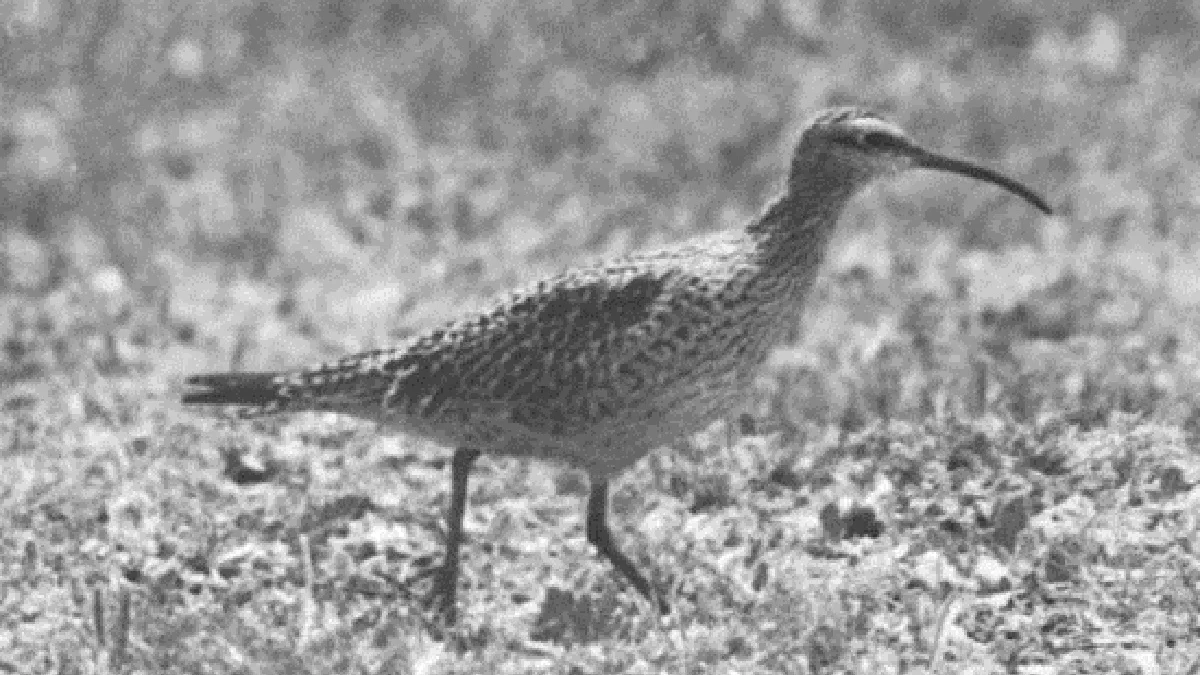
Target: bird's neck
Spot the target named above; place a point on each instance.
(792, 236)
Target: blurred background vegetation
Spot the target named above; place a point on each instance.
(188, 186)
(197, 185)
(358, 168)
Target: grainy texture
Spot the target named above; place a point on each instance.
(600, 365)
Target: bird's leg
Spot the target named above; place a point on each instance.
(600, 536)
(446, 584)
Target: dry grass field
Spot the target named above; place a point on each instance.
(979, 455)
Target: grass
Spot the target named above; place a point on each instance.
(979, 454)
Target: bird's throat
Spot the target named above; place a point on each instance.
(792, 237)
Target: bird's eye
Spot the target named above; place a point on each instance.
(878, 139)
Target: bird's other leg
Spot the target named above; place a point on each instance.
(446, 583)
(600, 536)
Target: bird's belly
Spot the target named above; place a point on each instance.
(612, 444)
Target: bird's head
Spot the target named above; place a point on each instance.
(849, 147)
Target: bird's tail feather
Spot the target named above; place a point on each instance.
(355, 384)
(262, 392)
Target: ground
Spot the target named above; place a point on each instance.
(978, 455)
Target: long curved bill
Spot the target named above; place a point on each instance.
(930, 160)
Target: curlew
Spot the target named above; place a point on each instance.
(601, 364)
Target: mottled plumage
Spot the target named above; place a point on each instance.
(601, 364)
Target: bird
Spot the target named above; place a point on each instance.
(601, 364)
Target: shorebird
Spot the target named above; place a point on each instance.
(601, 364)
